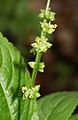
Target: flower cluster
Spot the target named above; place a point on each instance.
(31, 93)
(47, 27)
(47, 15)
(41, 66)
(41, 43)
(47, 18)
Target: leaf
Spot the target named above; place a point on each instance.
(57, 106)
(13, 75)
(74, 117)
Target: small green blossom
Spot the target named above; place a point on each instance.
(25, 92)
(32, 64)
(31, 93)
(47, 15)
(34, 92)
(41, 66)
(47, 27)
(41, 44)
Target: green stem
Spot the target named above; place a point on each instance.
(38, 55)
(35, 70)
(47, 6)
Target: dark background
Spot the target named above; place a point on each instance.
(19, 22)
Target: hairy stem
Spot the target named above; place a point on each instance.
(38, 55)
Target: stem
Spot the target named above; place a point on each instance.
(35, 70)
(47, 6)
(38, 55)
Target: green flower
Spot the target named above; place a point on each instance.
(41, 66)
(31, 93)
(41, 44)
(47, 15)
(34, 92)
(25, 92)
(47, 27)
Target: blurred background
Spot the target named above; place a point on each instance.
(19, 22)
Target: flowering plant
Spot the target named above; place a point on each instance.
(18, 92)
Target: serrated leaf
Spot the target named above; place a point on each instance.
(13, 75)
(58, 106)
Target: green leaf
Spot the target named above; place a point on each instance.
(13, 75)
(58, 106)
(74, 117)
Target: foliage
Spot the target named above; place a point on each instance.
(14, 75)
(18, 93)
(57, 106)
